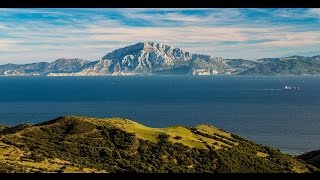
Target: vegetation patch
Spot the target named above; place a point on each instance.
(114, 145)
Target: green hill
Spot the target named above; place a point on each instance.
(83, 144)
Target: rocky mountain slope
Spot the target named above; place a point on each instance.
(154, 58)
(44, 68)
(116, 145)
(157, 58)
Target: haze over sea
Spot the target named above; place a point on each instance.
(254, 107)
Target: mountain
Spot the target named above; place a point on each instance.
(312, 158)
(294, 65)
(116, 145)
(44, 68)
(154, 58)
(241, 65)
(157, 58)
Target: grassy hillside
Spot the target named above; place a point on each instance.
(83, 144)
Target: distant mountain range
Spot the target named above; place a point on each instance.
(157, 58)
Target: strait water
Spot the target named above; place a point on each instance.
(254, 107)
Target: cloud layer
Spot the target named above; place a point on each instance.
(29, 35)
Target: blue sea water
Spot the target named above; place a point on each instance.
(254, 107)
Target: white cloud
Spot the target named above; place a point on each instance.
(2, 26)
(298, 13)
(94, 41)
(211, 17)
(7, 43)
(92, 38)
(294, 39)
(178, 34)
(315, 11)
(159, 18)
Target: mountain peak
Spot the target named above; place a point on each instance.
(152, 44)
(155, 45)
(140, 48)
(147, 48)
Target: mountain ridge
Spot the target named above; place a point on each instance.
(145, 58)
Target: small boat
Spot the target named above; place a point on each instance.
(286, 87)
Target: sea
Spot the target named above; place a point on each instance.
(254, 107)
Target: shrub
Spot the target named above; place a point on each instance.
(177, 137)
(37, 157)
(163, 137)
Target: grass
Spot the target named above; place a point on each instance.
(73, 169)
(211, 130)
(262, 154)
(299, 167)
(188, 138)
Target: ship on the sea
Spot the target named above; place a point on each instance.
(287, 87)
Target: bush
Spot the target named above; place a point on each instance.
(37, 157)
(163, 137)
(177, 137)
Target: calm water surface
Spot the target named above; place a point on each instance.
(254, 107)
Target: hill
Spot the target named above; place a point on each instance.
(114, 145)
(295, 65)
(312, 157)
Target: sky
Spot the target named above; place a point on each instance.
(34, 35)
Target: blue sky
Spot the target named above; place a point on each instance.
(33, 35)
